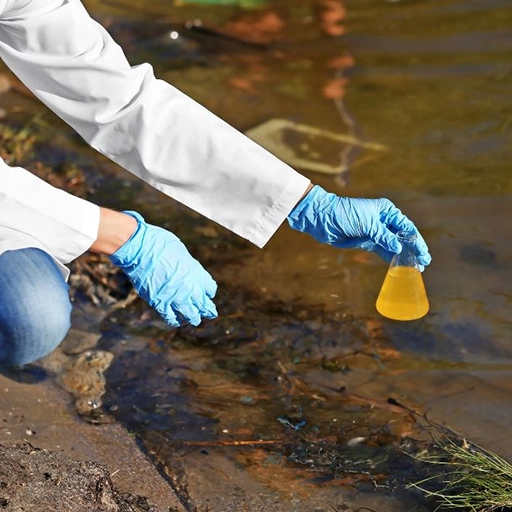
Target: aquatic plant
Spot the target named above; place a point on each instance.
(469, 478)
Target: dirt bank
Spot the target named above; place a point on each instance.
(36, 479)
(51, 459)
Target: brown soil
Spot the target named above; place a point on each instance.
(36, 479)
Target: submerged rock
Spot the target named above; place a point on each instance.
(307, 147)
(79, 368)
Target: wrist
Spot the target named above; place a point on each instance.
(308, 190)
(115, 229)
(306, 207)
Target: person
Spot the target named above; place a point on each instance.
(71, 63)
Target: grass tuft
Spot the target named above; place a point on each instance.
(469, 478)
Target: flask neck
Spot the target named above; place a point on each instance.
(407, 258)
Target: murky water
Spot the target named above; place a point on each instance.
(429, 81)
(428, 84)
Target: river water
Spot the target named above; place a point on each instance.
(419, 92)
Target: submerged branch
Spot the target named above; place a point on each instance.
(249, 442)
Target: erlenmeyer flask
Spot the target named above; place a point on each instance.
(403, 295)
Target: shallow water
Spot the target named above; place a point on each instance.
(430, 82)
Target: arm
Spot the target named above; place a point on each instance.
(114, 230)
(147, 126)
(151, 129)
(35, 214)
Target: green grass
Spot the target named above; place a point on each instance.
(470, 478)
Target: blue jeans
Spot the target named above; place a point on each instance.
(35, 310)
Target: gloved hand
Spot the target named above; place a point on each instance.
(368, 224)
(165, 274)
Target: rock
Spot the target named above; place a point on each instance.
(307, 147)
(79, 368)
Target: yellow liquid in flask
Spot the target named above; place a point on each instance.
(403, 295)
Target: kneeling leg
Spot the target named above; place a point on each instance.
(35, 310)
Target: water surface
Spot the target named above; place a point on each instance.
(430, 82)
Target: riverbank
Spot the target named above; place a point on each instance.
(39, 414)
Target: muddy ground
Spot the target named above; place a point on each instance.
(36, 479)
(53, 459)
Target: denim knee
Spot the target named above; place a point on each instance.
(35, 310)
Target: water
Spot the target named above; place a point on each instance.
(430, 82)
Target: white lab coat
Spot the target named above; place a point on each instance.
(144, 124)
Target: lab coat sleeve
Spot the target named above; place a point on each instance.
(144, 124)
(35, 214)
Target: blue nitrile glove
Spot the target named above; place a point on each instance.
(165, 275)
(368, 224)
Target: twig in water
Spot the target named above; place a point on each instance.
(255, 442)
